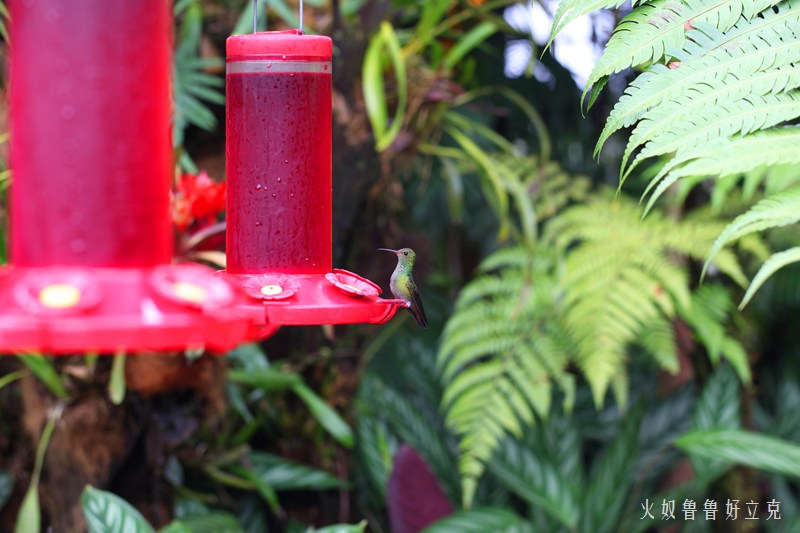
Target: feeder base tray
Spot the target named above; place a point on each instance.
(60, 309)
(338, 297)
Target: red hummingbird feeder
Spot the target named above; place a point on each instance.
(90, 232)
(278, 128)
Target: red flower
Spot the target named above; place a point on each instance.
(198, 199)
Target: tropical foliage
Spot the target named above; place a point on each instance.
(582, 360)
(718, 94)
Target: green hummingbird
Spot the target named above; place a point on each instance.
(403, 286)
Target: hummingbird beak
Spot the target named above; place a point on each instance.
(390, 250)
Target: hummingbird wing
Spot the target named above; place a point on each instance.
(416, 309)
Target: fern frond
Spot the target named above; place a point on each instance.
(658, 338)
(752, 113)
(770, 266)
(645, 35)
(762, 43)
(726, 157)
(662, 118)
(781, 209)
(499, 354)
(569, 10)
(621, 278)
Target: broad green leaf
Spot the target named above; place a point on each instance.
(213, 522)
(375, 452)
(116, 383)
(42, 368)
(252, 515)
(11, 377)
(175, 526)
(245, 22)
(29, 515)
(398, 65)
(343, 528)
(373, 86)
(536, 480)
(611, 479)
(481, 520)
(106, 512)
(467, 42)
(327, 417)
(264, 490)
(737, 446)
(248, 356)
(717, 408)
(283, 474)
(267, 379)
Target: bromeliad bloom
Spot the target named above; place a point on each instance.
(198, 198)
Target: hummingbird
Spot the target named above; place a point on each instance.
(403, 286)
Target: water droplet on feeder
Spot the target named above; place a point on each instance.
(292, 195)
(258, 187)
(258, 224)
(284, 58)
(274, 195)
(279, 179)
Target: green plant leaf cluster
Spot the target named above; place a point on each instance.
(718, 95)
(194, 86)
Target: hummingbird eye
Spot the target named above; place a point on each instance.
(405, 253)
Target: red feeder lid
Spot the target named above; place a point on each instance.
(287, 44)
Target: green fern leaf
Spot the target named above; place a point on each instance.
(726, 157)
(781, 209)
(660, 119)
(569, 10)
(752, 113)
(658, 338)
(757, 44)
(646, 34)
(621, 279)
(772, 265)
(496, 358)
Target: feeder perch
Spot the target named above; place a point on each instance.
(278, 128)
(90, 232)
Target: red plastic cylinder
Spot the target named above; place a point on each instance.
(90, 140)
(278, 127)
